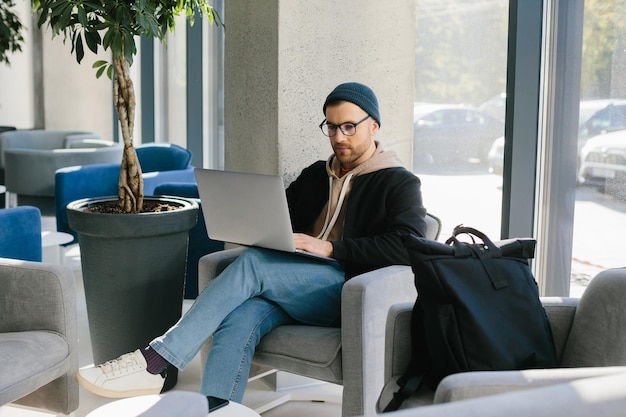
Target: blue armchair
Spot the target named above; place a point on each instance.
(160, 163)
(20, 233)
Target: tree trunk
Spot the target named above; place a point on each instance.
(130, 191)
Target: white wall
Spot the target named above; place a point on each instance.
(282, 60)
(16, 79)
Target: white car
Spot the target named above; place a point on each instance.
(603, 159)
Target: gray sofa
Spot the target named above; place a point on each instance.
(589, 335)
(38, 336)
(30, 158)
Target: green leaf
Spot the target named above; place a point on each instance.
(100, 71)
(129, 49)
(99, 63)
(116, 46)
(66, 16)
(80, 51)
(108, 38)
(82, 16)
(93, 40)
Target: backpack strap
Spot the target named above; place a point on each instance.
(410, 385)
(413, 378)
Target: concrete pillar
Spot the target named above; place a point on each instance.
(283, 57)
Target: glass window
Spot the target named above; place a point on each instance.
(600, 213)
(459, 110)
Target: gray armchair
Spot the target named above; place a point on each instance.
(38, 336)
(30, 159)
(589, 335)
(353, 355)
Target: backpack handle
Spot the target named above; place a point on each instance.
(494, 251)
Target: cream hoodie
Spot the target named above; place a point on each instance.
(329, 224)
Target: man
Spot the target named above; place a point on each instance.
(356, 207)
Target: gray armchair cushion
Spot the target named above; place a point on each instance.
(30, 360)
(290, 348)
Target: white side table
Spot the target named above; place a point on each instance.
(174, 403)
(51, 250)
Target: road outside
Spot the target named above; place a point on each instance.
(474, 198)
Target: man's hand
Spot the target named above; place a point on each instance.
(313, 245)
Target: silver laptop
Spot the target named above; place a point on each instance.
(247, 209)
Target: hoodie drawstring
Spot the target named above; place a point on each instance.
(329, 223)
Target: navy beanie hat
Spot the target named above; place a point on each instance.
(356, 93)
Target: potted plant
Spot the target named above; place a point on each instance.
(133, 250)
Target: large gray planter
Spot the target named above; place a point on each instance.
(133, 268)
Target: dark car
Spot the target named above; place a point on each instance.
(452, 133)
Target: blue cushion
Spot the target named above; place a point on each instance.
(83, 181)
(20, 233)
(162, 157)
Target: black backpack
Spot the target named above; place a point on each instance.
(477, 308)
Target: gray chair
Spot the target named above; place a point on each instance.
(353, 355)
(38, 336)
(589, 335)
(30, 159)
(593, 396)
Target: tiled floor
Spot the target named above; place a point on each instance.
(258, 393)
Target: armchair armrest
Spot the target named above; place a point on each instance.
(212, 264)
(365, 302)
(37, 296)
(468, 385)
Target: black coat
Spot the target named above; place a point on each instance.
(382, 208)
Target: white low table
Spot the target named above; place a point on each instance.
(51, 249)
(166, 405)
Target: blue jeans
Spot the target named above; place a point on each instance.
(261, 290)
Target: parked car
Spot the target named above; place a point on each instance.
(452, 133)
(600, 116)
(495, 106)
(595, 118)
(495, 157)
(603, 160)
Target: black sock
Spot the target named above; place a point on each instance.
(156, 363)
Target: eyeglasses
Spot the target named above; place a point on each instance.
(348, 129)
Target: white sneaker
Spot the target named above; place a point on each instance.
(123, 377)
